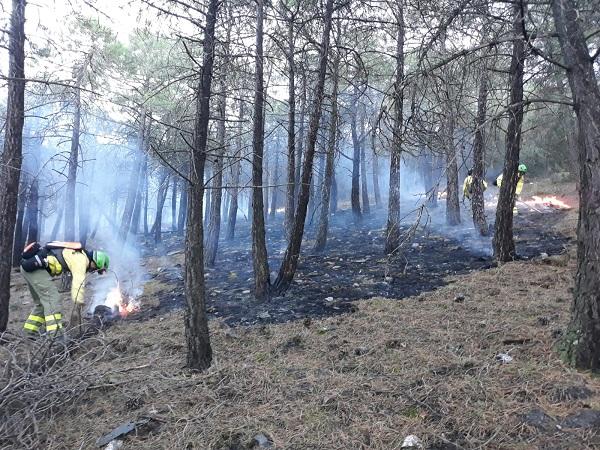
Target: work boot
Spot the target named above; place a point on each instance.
(76, 319)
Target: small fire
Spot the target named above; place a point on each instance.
(548, 201)
(124, 305)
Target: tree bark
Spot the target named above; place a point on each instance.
(174, 204)
(160, 204)
(33, 202)
(259, 247)
(20, 231)
(300, 138)
(334, 195)
(376, 189)
(321, 239)
(290, 199)
(392, 237)
(275, 183)
(366, 207)
(581, 345)
(58, 223)
(133, 182)
(354, 192)
(292, 253)
(139, 197)
(70, 200)
(504, 245)
(183, 202)
(452, 196)
(199, 355)
(235, 168)
(214, 225)
(12, 155)
(477, 199)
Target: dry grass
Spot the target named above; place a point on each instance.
(423, 366)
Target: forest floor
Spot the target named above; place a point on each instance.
(356, 368)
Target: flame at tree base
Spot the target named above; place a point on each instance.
(121, 304)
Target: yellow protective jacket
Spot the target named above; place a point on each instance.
(468, 184)
(77, 262)
(520, 183)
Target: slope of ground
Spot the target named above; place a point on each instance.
(366, 378)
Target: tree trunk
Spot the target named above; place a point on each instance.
(139, 197)
(300, 143)
(376, 190)
(292, 253)
(20, 231)
(58, 223)
(477, 199)
(366, 207)
(33, 202)
(321, 239)
(581, 345)
(504, 245)
(275, 183)
(259, 247)
(334, 195)
(70, 200)
(452, 196)
(133, 182)
(160, 204)
(183, 201)
(12, 155)
(214, 226)
(290, 199)
(355, 193)
(174, 205)
(392, 237)
(235, 168)
(199, 355)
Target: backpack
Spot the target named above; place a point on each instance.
(36, 257)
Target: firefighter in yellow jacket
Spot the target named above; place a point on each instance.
(468, 185)
(522, 170)
(40, 264)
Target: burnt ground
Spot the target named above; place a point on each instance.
(353, 267)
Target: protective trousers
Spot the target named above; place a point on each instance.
(47, 305)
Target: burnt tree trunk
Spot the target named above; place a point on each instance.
(139, 197)
(199, 354)
(392, 237)
(290, 199)
(12, 154)
(504, 245)
(477, 199)
(214, 225)
(259, 247)
(321, 239)
(292, 253)
(235, 178)
(581, 345)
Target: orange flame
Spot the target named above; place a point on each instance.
(548, 201)
(116, 301)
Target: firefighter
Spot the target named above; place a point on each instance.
(468, 185)
(522, 170)
(40, 264)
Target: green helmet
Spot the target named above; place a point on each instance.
(522, 168)
(101, 259)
